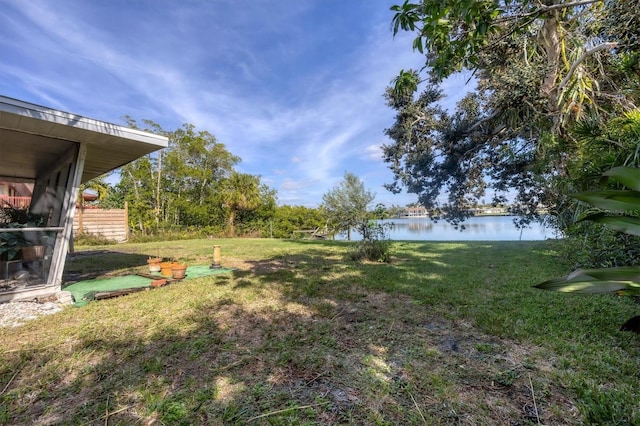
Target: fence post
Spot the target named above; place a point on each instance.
(126, 221)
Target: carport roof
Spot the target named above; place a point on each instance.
(33, 137)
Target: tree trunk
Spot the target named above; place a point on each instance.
(232, 218)
(157, 209)
(550, 41)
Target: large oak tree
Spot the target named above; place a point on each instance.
(541, 67)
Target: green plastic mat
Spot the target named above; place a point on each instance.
(84, 291)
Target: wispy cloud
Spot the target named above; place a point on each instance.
(374, 152)
(298, 98)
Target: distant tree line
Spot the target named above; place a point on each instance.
(191, 188)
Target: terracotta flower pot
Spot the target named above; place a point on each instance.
(165, 268)
(178, 271)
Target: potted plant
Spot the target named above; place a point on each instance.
(29, 242)
(154, 264)
(165, 268)
(178, 271)
(10, 261)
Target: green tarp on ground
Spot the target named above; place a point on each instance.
(83, 291)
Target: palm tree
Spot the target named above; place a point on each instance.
(100, 188)
(240, 192)
(97, 186)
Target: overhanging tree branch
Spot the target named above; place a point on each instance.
(544, 9)
(581, 59)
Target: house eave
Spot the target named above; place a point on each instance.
(40, 133)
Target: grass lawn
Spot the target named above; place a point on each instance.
(448, 333)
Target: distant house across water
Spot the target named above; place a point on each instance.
(415, 211)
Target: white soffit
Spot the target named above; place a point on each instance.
(32, 137)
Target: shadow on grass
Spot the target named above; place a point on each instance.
(86, 265)
(308, 336)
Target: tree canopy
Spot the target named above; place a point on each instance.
(541, 68)
(191, 183)
(240, 193)
(347, 203)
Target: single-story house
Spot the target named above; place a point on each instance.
(55, 151)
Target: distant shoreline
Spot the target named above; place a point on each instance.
(541, 212)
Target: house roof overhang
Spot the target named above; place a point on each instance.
(33, 137)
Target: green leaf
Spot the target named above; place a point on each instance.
(417, 44)
(626, 224)
(584, 287)
(620, 201)
(628, 176)
(620, 273)
(604, 280)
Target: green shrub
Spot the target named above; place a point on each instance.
(85, 239)
(176, 233)
(592, 245)
(375, 244)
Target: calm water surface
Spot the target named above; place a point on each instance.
(480, 228)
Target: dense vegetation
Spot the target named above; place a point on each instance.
(555, 105)
(208, 197)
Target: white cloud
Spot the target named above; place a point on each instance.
(373, 152)
(263, 80)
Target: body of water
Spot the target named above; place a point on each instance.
(479, 228)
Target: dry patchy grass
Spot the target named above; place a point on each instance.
(294, 336)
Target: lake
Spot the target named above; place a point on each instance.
(478, 228)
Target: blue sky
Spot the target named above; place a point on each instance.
(292, 87)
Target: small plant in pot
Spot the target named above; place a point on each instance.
(10, 245)
(165, 268)
(29, 241)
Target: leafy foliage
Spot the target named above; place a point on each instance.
(240, 193)
(16, 217)
(451, 32)
(601, 145)
(287, 219)
(592, 245)
(12, 216)
(374, 244)
(10, 244)
(98, 186)
(85, 239)
(193, 167)
(619, 210)
(346, 204)
(189, 187)
(540, 69)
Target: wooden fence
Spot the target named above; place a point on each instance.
(109, 223)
